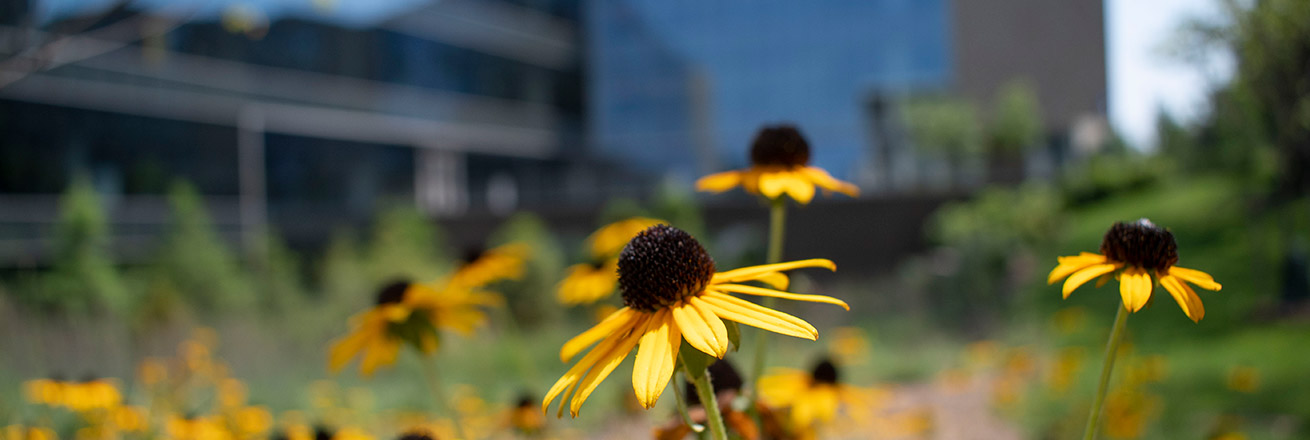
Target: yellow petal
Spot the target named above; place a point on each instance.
(751, 316)
(615, 321)
(773, 183)
(1069, 265)
(1085, 275)
(1184, 296)
(756, 272)
(345, 349)
(719, 182)
(716, 325)
(777, 280)
(607, 364)
(824, 180)
(1200, 279)
(1100, 282)
(612, 339)
(760, 291)
(697, 332)
(799, 188)
(656, 358)
(1135, 288)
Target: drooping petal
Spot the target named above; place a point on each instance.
(612, 339)
(756, 272)
(1085, 275)
(380, 353)
(616, 320)
(1071, 264)
(609, 362)
(1100, 282)
(719, 182)
(1184, 296)
(783, 386)
(716, 324)
(698, 332)
(1200, 279)
(772, 183)
(760, 291)
(747, 313)
(346, 348)
(1135, 288)
(798, 188)
(822, 179)
(656, 359)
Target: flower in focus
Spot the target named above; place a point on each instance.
(1131, 253)
(811, 397)
(482, 267)
(671, 293)
(586, 283)
(780, 159)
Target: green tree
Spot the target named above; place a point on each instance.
(83, 276)
(405, 244)
(194, 260)
(944, 126)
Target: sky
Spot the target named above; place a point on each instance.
(1142, 78)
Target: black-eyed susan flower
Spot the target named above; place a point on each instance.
(1132, 253)
(380, 331)
(92, 393)
(524, 417)
(672, 294)
(780, 164)
(481, 267)
(810, 397)
(586, 283)
(195, 428)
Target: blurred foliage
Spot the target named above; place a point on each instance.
(531, 301)
(194, 260)
(1016, 123)
(277, 275)
(83, 277)
(676, 203)
(342, 274)
(943, 125)
(404, 244)
(1105, 175)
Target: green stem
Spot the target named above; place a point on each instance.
(777, 223)
(682, 408)
(1111, 351)
(439, 393)
(706, 393)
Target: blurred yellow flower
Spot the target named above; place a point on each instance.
(131, 419)
(587, 283)
(672, 293)
(380, 331)
(152, 371)
(195, 428)
(780, 159)
(609, 240)
(91, 394)
(1128, 412)
(20, 432)
(1065, 368)
(1139, 248)
(849, 346)
(524, 417)
(482, 267)
(49, 392)
(1243, 379)
(810, 397)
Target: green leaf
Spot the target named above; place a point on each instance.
(694, 362)
(734, 334)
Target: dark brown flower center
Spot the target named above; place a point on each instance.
(825, 372)
(392, 293)
(780, 145)
(723, 377)
(416, 435)
(1141, 244)
(473, 253)
(661, 266)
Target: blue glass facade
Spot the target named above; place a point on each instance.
(811, 63)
